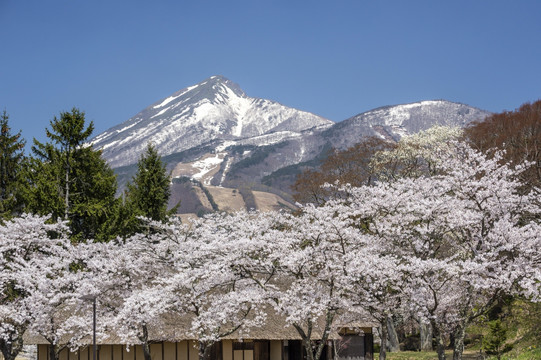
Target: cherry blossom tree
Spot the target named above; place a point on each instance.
(30, 250)
(218, 274)
(369, 276)
(104, 275)
(125, 280)
(414, 155)
(377, 280)
(51, 301)
(311, 289)
(462, 233)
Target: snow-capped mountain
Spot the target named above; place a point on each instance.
(395, 121)
(279, 163)
(212, 111)
(214, 133)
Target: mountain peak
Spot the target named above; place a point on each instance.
(221, 84)
(213, 89)
(217, 78)
(213, 110)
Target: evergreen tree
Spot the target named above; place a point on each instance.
(494, 342)
(68, 134)
(147, 194)
(11, 157)
(70, 180)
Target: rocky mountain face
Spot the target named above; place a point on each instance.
(215, 134)
(389, 122)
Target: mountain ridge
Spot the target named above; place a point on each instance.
(214, 133)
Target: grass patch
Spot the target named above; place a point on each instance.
(530, 353)
(410, 355)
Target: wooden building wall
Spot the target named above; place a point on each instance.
(188, 350)
(183, 350)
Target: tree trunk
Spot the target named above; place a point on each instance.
(393, 344)
(204, 350)
(10, 349)
(458, 348)
(6, 351)
(67, 187)
(440, 346)
(425, 331)
(144, 343)
(308, 347)
(307, 341)
(54, 351)
(383, 339)
(328, 322)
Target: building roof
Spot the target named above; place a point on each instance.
(174, 328)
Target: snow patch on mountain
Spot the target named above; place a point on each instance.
(166, 101)
(270, 139)
(225, 145)
(206, 165)
(411, 118)
(171, 98)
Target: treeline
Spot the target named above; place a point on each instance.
(66, 179)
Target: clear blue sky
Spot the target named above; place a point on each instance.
(335, 58)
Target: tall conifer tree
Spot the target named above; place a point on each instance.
(148, 193)
(11, 157)
(70, 180)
